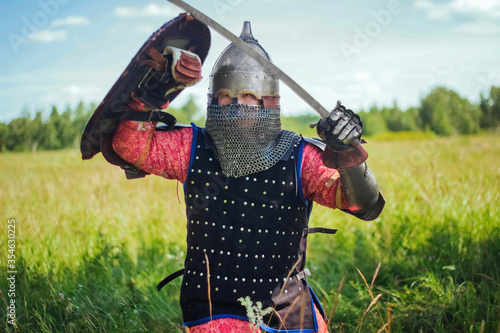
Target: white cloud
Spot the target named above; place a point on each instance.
(49, 36)
(479, 28)
(446, 10)
(71, 21)
(152, 9)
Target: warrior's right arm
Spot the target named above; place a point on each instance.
(160, 153)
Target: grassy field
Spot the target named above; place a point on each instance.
(91, 246)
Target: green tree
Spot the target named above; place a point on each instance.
(444, 112)
(490, 109)
(4, 133)
(373, 121)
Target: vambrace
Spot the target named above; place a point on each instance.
(361, 192)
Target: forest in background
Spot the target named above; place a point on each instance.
(442, 112)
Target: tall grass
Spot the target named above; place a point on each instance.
(91, 246)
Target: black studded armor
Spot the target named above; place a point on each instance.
(251, 231)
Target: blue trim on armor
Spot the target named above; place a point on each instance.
(208, 319)
(317, 303)
(193, 151)
(299, 171)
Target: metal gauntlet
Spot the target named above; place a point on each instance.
(361, 192)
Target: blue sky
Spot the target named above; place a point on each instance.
(363, 52)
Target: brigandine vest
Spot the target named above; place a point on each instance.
(246, 237)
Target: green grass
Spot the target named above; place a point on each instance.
(91, 246)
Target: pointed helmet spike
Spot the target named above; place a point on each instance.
(246, 33)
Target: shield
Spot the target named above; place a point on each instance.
(151, 84)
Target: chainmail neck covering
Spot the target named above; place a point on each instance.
(247, 138)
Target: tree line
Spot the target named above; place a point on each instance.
(442, 111)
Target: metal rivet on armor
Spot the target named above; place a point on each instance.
(254, 280)
(266, 181)
(198, 286)
(224, 212)
(197, 157)
(255, 268)
(264, 192)
(216, 288)
(247, 178)
(246, 190)
(261, 217)
(240, 241)
(282, 194)
(192, 170)
(210, 159)
(253, 292)
(245, 203)
(208, 172)
(223, 238)
(243, 215)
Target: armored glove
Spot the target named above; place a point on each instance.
(341, 131)
(342, 128)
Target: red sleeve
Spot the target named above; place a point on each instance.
(319, 183)
(167, 154)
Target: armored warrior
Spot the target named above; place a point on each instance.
(249, 187)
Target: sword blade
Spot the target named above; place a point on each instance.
(263, 61)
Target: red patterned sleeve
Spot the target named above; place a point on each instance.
(319, 183)
(167, 154)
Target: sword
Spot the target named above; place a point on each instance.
(263, 61)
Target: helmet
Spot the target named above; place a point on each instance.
(236, 73)
(247, 138)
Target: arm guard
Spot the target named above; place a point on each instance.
(361, 192)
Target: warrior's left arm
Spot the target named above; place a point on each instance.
(341, 132)
(352, 189)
